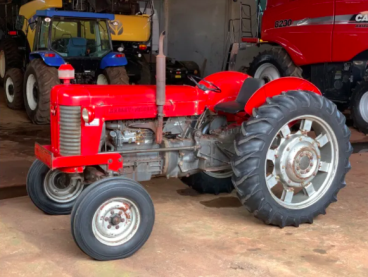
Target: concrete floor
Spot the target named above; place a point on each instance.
(194, 235)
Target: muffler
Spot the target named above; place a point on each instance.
(160, 87)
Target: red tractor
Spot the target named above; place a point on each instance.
(283, 146)
(322, 41)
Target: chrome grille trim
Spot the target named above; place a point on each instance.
(70, 130)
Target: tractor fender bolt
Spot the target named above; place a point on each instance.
(109, 226)
(117, 227)
(106, 219)
(307, 170)
(109, 161)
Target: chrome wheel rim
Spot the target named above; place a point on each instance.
(116, 221)
(363, 106)
(32, 92)
(301, 165)
(9, 90)
(267, 72)
(102, 80)
(62, 187)
(2, 64)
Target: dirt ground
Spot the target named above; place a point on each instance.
(194, 235)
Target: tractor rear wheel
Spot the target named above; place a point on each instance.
(112, 218)
(113, 76)
(291, 158)
(272, 64)
(39, 79)
(9, 57)
(359, 107)
(210, 182)
(13, 85)
(52, 191)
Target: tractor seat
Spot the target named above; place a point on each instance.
(249, 87)
(77, 47)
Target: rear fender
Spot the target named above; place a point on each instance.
(276, 87)
(55, 61)
(111, 60)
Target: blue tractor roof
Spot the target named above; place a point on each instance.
(51, 13)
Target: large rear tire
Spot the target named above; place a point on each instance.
(113, 76)
(272, 64)
(13, 86)
(53, 192)
(286, 177)
(39, 79)
(359, 107)
(9, 57)
(210, 182)
(112, 219)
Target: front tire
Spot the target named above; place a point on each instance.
(359, 107)
(112, 219)
(13, 85)
(39, 79)
(53, 192)
(113, 76)
(287, 178)
(273, 64)
(210, 182)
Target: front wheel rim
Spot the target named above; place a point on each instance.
(300, 167)
(62, 187)
(363, 106)
(2, 64)
(116, 221)
(32, 92)
(9, 90)
(267, 72)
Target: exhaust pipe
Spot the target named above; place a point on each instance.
(160, 87)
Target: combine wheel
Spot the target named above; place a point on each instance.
(273, 64)
(13, 85)
(9, 57)
(112, 218)
(38, 81)
(291, 158)
(210, 182)
(359, 107)
(52, 191)
(113, 76)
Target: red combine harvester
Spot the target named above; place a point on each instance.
(284, 147)
(322, 41)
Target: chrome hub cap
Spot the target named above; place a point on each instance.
(301, 163)
(62, 187)
(2, 64)
(116, 221)
(298, 161)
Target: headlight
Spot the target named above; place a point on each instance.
(88, 115)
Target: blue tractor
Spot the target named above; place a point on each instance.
(49, 39)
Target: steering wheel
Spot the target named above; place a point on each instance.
(212, 87)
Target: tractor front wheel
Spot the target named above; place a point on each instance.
(53, 191)
(39, 79)
(359, 107)
(291, 158)
(112, 218)
(13, 85)
(210, 182)
(113, 76)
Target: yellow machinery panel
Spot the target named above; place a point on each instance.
(131, 28)
(28, 10)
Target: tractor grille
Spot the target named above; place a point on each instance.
(70, 130)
